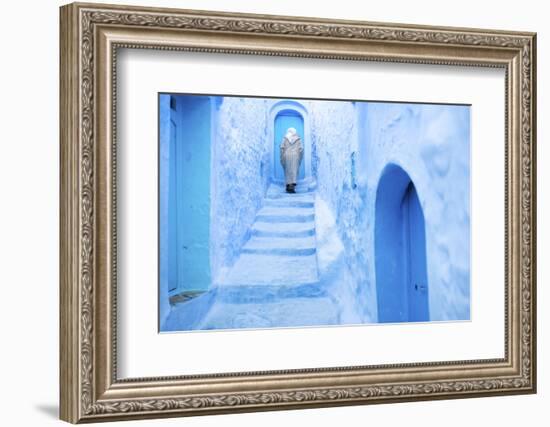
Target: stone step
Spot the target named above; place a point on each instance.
(281, 251)
(289, 202)
(247, 294)
(276, 191)
(285, 229)
(289, 234)
(281, 246)
(289, 197)
(281, 242)
(286, 210)
(285, 214)
(285, 218)
(272, 192)
(308, 183)
(283, 313)
(272, 269)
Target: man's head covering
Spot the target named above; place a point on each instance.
(291, 135)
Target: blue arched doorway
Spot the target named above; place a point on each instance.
(283, 120)
(400, 250)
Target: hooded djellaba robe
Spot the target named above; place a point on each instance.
(292, 152)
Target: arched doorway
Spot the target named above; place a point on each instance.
(400, 250)
(282, 115)
(287, 119)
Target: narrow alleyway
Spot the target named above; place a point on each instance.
(379, 231)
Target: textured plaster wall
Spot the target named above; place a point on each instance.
(431, 143)
(240, 175)
(335, 128)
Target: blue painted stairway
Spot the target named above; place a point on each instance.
(275, 280)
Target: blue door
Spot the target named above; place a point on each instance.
(400, 250)
(193, 153)
(415, 237)
(284, 120)
(172, 212)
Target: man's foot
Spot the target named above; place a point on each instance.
(289, 188)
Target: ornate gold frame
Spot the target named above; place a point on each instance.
(90, 36)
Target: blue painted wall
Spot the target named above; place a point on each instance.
(284, 120)
(241, 173)
(432, 144)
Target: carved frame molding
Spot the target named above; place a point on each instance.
(90, 37)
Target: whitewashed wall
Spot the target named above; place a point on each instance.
(240, 172)
(335, 128)
(431, 143)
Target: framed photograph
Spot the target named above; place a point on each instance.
(270, 212)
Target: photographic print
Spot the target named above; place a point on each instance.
(319, 208)
(307, 212)
(303, 228)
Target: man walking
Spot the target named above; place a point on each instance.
(291, 156)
